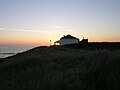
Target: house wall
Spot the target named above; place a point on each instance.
(68, 41)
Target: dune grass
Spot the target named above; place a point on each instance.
(45, 68)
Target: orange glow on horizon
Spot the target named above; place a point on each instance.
(24, 38)
(47, 42)
(43, 38)
(25, 43)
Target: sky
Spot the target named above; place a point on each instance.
(36, 22)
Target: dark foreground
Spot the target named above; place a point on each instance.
(52, 68)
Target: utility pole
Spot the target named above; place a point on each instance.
(50, 42)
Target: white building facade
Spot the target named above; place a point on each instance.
(68, 39)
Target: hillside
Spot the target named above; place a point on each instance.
(50, 68)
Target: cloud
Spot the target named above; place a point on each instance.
(52, 30)
(67, 30)
(22, 30)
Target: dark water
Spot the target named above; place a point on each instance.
(9, 50)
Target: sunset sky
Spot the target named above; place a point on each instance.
(36, 22)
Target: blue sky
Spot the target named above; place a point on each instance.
(98, 20)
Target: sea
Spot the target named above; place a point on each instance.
(10, 50)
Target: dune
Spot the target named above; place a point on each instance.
(53, 68)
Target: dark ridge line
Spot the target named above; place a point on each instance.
(7, 53)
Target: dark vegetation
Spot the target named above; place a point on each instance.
(96, 45)
(60, 68)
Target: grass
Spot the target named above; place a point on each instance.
(45, 68)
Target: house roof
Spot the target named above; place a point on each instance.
(68, 37)
(57, 41)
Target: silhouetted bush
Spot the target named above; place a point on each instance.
(60, 68)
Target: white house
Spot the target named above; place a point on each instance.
(68, 39)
